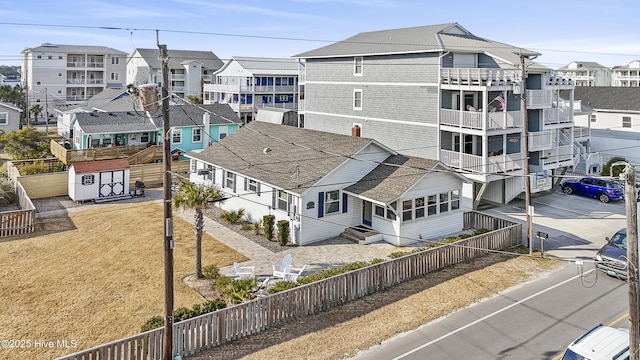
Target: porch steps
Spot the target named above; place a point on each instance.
(361, 234)
(111, 198)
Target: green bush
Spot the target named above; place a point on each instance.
(606, 169)
(257, 227)
(268, 226)
(7, 191)
(181, 313)
(153, 323)
(233, 217)
(236, 291)
(32, 168)
(283, 232)
(213, 305)
(211, 272)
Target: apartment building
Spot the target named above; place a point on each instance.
(627, 76)
(442, 93)
(251, 83)
(586, 73)
(69, 74)
(188, 70)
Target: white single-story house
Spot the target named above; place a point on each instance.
(9, 117)
(323, 183)
(99, 180)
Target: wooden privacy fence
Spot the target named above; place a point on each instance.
(22, 221)
(242, 320)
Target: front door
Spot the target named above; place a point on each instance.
(366, 212)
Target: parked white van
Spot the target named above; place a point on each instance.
(600, 343)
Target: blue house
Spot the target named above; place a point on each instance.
(193, 127)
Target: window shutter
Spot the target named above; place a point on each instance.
(344, 203)
(258, 189)
(245, 184)
(289, 199)
(224, 178)
(273, 198)
(234, 183)
(321, 204)
(213, 176)
(83, 177)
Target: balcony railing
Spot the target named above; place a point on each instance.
(478, 76)
(473, 119)
(558, 156)
(484, 165)
(177, 77)
(581, 132)
(251, 88)
(75, 81)
(278, 106)
(538, 99)
(540, 140)
(76, 64)
(561, 115)
(95, 65)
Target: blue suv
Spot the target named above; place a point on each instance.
(612, 257)
(604, 190)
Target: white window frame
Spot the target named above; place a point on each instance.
(252, 185)
(357, 99)
(332, 202)
(87, 180)
(4, 118)
(223, 131)
(196, 135)
(358, 65)
(282, 201)
(176, 134)
(229, 180)
(115, 60)
(114, 76)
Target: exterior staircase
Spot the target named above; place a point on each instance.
(145, 156)
(361, 234)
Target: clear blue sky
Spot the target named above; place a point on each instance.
(563, 31)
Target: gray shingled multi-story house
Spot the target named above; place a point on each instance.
(188, 70)
(440, 92)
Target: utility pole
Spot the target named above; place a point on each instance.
(46, 112)
(167, 344)
(632, 260)
(527, 179)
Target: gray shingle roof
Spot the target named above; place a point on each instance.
(177, 57)
(297, 159)
(104, 123)
(608, 97)
(431, 38)
(75, 49)
(266, 66)
(190, 115)
(392, 178)
(583, 65)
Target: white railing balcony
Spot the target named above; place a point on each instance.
(278, 105)
(95, 65)
(581, 132)
(483, 165)
(208, 78)
(75, 81)
(95, 81)
(540, 140)
(177, 77)
(538, 99)
(177, 88)
(474, 119)
(246, 107)
(76, 64)
(558, 156)
(478, 76)
(561, 115)
(504, 120)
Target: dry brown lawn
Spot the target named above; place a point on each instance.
(97, 278)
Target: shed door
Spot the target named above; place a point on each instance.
(111, 183)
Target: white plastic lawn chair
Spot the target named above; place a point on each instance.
(244, 272)
(280, 267)
(291, 273)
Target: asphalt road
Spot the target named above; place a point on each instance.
(536, 320)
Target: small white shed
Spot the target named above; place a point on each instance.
(99, 180)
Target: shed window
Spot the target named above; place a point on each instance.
(87, 179)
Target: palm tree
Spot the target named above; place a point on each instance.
(36, 110)
(198, 198)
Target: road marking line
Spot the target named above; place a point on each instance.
(486, 317)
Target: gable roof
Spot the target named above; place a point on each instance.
(98, 122)
(208, 59)
(74, 49)
(608, 97)
(84, 167)
(295, 160)
(191, 115)
(392, 178)
(10, 106)
(421, 39)
(265, 66)
(582, 65)
(110, 100)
